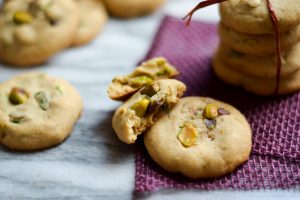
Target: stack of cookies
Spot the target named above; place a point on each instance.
(196, 136)
(247, 53)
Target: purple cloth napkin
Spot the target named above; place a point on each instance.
(275, 158)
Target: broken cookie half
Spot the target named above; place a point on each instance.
(123, 87)
(145, 107)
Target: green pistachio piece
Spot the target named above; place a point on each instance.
(187, 135)
(18, 96)
(210, 123)
(16, 118)
(22, 17)
(43, 99)
(141, 80)
(160, 61)
(140, 107)
(211, 111)
(222, 111)
(166, 71)
(149, 91)
(59, 90)
(161, 73)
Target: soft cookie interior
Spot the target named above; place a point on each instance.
(155, 69)
(144, 108)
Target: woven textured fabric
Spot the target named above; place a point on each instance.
(275, 121)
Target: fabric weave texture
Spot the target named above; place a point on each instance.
(275, 121)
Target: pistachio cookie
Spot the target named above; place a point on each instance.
(37, 111)
(257, 44)
(145, 107)
(260, 86)
(124, 86)
(200, 138)
(261, 66)
(252, 16)
(93, 17)
(132, 8)
(32, 31)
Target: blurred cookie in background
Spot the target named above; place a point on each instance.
(93, 17)
(132, 8)
(33, 31)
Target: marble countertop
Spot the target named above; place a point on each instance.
(92, 163)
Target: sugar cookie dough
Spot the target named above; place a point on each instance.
(145, 107)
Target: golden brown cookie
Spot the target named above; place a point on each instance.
(93, 17)
(252, 16)
(200, 138)
(259, 86)
(37, 111)
(33, 31)
(145, 107)
(257, 44)
(155, 69)
(260, 66)
(132, 8)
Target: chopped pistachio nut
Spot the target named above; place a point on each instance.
(59, 90)
(141, 107)
(167, 70)
(222, 111)
(149, 91)
(43, 99)
(210, 123)
(22, 17)
(160, 61)
(211, 111)
(187, 135)
(141, 80)
(16, 117)
(18, 96)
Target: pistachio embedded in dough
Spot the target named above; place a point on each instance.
(210, 123)
(18, 96)
(16, 117)
(188, 135)
(43, 99)
(140, 107)
(123, 87)
(222, 111)
(22, 17)
(211, 111)
(59, 89)
(149, 91)
(140, 81)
